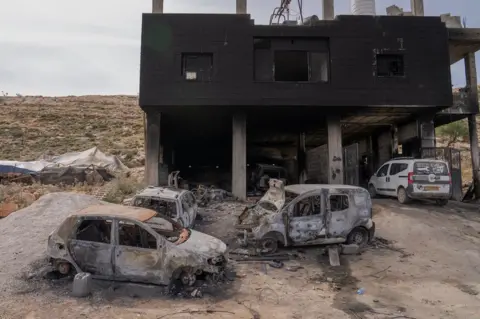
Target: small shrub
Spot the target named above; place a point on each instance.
(453, 132)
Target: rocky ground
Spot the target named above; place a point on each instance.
(425, 263)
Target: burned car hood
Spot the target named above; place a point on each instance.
(204, 244)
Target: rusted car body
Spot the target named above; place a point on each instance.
(307, 214)
(124, 243)
(178, 204)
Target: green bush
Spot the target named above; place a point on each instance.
(453, 132)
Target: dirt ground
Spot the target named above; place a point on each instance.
(425, 263)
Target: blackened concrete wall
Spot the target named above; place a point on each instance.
(354, 42)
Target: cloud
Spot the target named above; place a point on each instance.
(58, 47)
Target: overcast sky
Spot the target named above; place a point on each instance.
(65, 47)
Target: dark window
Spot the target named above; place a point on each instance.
(383, 171)
(164, 207)
(135, 236)
(427, 168)
(197, 66)
(308, 207)
(397, 168)
(338, 203)
(291, 66)
(390, 65)
(96, 230)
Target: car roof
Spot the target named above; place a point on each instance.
(162, 192)
(119, 211)
(406, 159)
(303, 188)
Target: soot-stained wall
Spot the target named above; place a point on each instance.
(360, 50)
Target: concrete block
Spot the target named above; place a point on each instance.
(333, 256)
(82, 285)
(350, 249)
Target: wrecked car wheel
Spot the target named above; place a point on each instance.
(188, 278)
(268, 245)
(358, 236)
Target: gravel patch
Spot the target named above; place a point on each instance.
(24, 234)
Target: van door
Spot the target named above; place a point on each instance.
(338, 207)
(381, 179)
(397, 176)
(306, 220)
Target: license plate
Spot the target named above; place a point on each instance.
(431, 188)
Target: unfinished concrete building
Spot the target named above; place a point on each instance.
(330, 100)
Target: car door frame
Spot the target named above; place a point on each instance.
(381, 181)
(92, 246)
(123, 272)
(287, 212)
(339, 217)
(185, 216)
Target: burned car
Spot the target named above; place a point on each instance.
(307, 214)
(124, 243)
(178, 204)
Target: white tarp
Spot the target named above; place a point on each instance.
(34, 166)
(86, 158)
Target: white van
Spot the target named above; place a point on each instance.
(408, 178)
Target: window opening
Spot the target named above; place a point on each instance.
(390, 65)
(135, 236)
(338, 203)
(197, 66)
(309, 206)
(95, 230)
(291, 66)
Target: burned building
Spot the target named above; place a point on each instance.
(221, 93)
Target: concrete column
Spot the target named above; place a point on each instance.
(157, 6)
(335, 150)
(328, 10)
(426, 133)
(241, 6)
(472, 91)
(417, 8)
(153, 149)
(239, 156)
(302, 159)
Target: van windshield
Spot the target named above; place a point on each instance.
(427, 168)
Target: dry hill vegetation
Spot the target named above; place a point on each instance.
(31, 126)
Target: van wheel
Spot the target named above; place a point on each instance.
(372, 191)
(358, 236)
(268, 245)
(402, 196)
(441, 202)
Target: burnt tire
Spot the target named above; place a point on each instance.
(268, 245)
(372, 190)
(402, 196)
(441, 202)
(358, 236)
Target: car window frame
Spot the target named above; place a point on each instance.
(288, 209)
(386, 172)
(391, 166)
(160, 240)
(80, 219)
(339, 194)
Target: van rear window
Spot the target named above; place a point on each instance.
(427, 168)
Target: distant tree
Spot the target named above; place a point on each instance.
(453, 132)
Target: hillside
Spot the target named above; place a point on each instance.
(30, 126)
